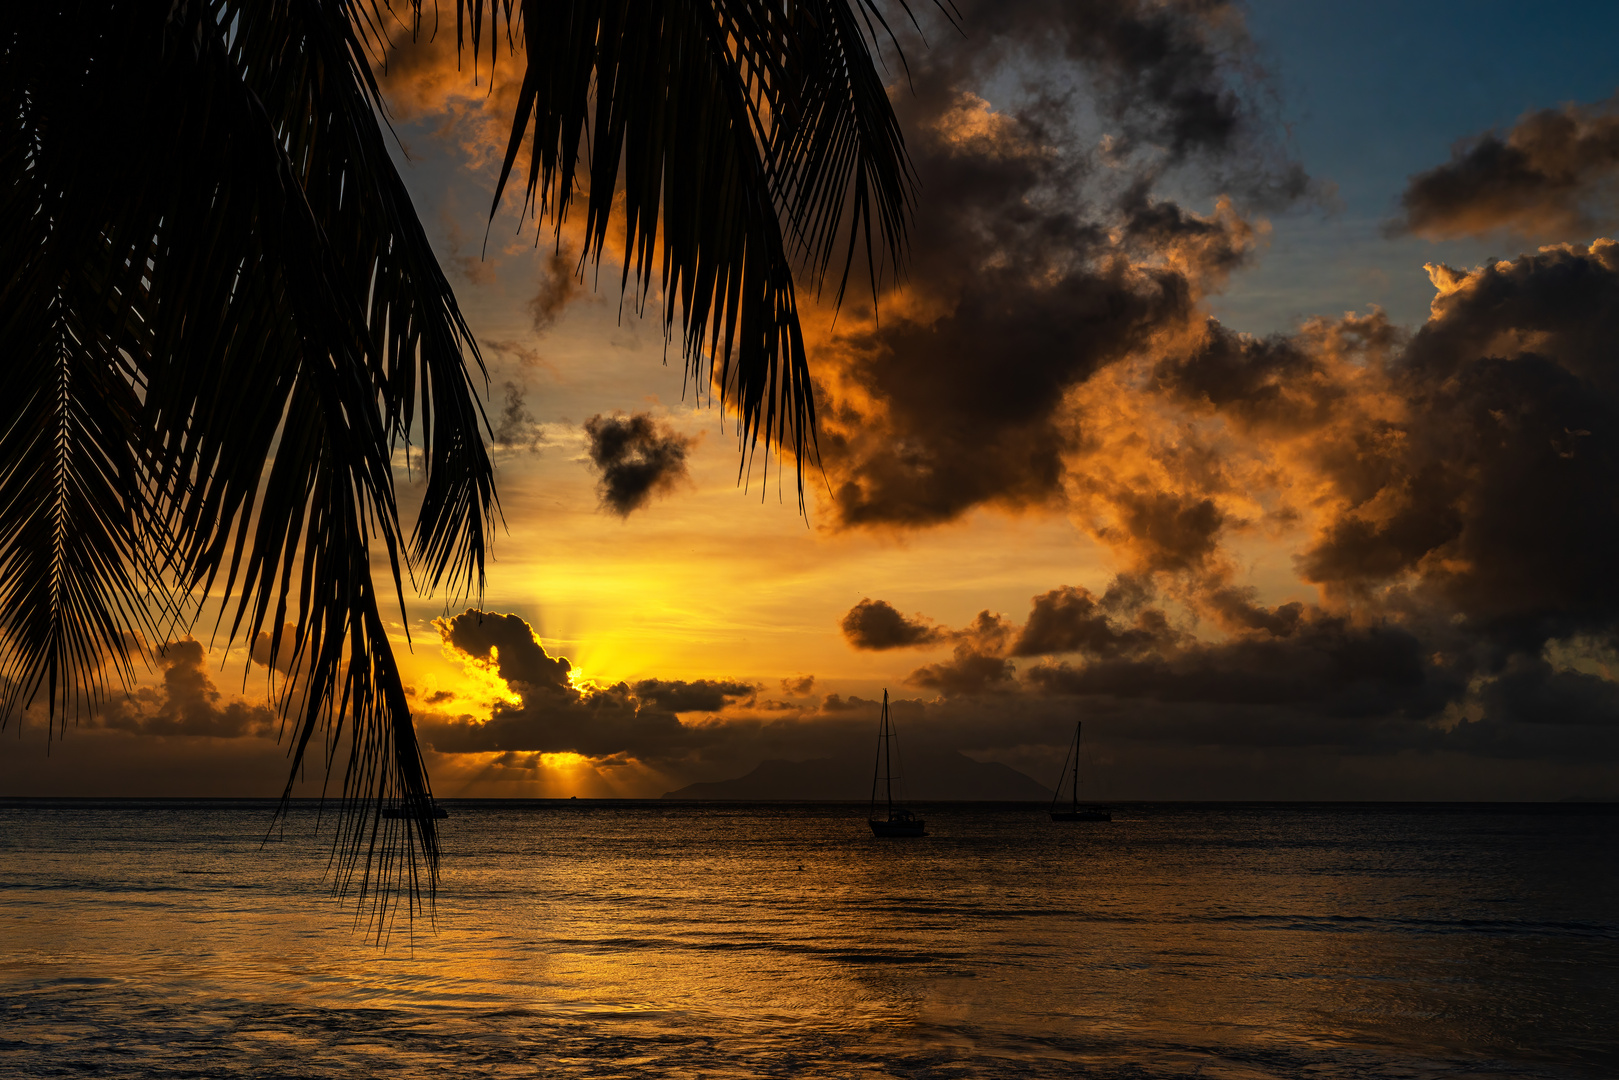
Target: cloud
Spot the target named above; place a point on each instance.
(1072, 620)
(559, 284)
(188, 703)
(1302, 686)
(1445, 497)
(798, 685)
(970, 671)
(638, 457)
(1552, 175)
(506, 645)
(1042, 253)
(699, 695)
(1327, 666)
(1276, 384)
(978, 663)
(430, 83)
(1449, 493)
(876, 625)
(515, 427)
(553, 714)
(1497, 491)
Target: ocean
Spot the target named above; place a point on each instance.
(658, 939)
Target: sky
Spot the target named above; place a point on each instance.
(1247, 393)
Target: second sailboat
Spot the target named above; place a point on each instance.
(1076, 812)
(899, 821)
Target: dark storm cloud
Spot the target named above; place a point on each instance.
(187, 703)
(1529, 690)
(1177, 77)
(1301, 659)
(1500, 491)
(1552, 175)
(1325, 666)
(638, 457)
(1215, 245)
(876, 625)
(1466, 480)
(1040, 255)
(1466, 473)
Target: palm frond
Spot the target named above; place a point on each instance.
(269, 324)
(80, 559)
(715, 122)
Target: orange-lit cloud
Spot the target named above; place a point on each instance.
(1041, 256)
(1553, 175)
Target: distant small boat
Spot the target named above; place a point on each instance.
(1075, 811)
(415, 810)
(898, 821)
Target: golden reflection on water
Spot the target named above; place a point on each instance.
(1239, 941)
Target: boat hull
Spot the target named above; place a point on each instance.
(1093, 814)
(898, 828)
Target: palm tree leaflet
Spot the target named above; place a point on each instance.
(221, 318)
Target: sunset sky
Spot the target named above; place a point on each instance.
(1250, 391)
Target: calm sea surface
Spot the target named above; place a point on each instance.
(598, 939)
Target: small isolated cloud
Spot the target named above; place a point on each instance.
(875, 625)
(559, 284)
(799, 686)
(516, 428)
(1552, 176)
(518, 352)
(638, 457)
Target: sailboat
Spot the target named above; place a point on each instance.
(899, 821)
(1076, 812)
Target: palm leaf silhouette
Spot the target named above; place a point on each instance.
(223, 319)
